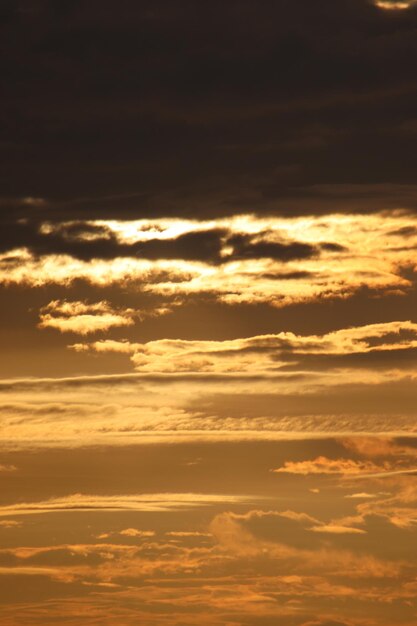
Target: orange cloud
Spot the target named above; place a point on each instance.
(10, 523)
(324, 465)
(378, 447)
(138, 502)
(128, 532)
(8, 468)
(399, 508)
(336, 529)
(231, 533)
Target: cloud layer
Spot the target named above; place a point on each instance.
(244, 259)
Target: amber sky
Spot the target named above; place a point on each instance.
(208, 322)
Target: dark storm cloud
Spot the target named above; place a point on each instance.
(177, 107)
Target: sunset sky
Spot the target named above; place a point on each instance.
(208, 320)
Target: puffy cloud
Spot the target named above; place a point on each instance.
(84, 318)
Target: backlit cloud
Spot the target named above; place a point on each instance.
(83, 318)
(243, 259)
(269, 353)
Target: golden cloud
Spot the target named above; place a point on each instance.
(262, 353)
(278, 261)
(138, 502)
(83, 318)
(336, 529)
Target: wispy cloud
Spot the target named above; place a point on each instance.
(324, 465)
(139, 502)
(264, 353)
(128, 532)
(336, 529)
(8, 468)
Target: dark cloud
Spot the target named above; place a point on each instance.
(175, 107)
(64, 240)
(245, 248)
(88, 241)
(287, 275)
(406, 231)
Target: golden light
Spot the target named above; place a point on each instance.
(394, 6)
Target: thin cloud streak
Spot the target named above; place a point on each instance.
(140, 502)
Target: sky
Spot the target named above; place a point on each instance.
(208, 330)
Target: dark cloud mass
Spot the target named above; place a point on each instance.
(177, 107)
(73, 239)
